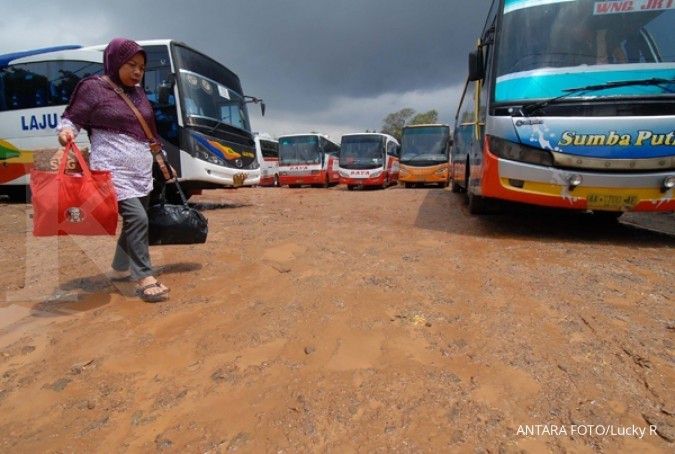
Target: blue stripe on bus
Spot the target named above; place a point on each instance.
(5, 59)
(204, 142)
(547, 85)
(513, 5)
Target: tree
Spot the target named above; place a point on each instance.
(425, 118)
(394, 122)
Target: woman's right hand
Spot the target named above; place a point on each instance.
(66, 135)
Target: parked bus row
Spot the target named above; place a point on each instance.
(359, 160)
(202, 119)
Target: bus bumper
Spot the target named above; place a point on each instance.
(267, 180)
(549, 186)
(377, 181)
(192, 169)
(285, 180)
(434, 174)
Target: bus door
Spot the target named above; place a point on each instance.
(391, 162)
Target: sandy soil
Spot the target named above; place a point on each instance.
(330, 320)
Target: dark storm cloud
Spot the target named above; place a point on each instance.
(302, 52)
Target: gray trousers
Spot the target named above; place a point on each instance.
(132, 252)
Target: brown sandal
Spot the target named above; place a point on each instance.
(142, 293)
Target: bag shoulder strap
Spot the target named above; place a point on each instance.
(155, 146)
(134, 109)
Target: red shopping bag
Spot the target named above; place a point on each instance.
(73, 203)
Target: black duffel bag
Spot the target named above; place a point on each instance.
(176, 224)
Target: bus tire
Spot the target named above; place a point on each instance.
(17, 194)
(456, 188)
(609, 217)
(477, 204)
(350, 187)
(293, 186)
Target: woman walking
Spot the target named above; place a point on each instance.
(119, 144)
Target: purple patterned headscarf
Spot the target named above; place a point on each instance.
(94, 104)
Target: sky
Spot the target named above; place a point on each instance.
(335, 66)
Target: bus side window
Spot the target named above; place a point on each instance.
(3, 102)
(391, 149)
(51, 83)
(157, 74)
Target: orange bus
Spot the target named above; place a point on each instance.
(425, 155)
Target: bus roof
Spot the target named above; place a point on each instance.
(371, 134)
(147, 42)
(6, 59)
(264, 136)
(80, 54)
(318, 134)
(427, 126)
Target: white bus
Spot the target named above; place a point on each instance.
(308, 159)
(368, 159)
(267, 150)
(199, 105)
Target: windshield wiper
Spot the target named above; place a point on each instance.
(531, 108)
(218, 123)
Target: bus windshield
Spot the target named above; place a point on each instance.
(362, 152)
(425, 144)
(593, 40)
(299, 150)
(211, 94)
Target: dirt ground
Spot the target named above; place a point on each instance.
(340, 321)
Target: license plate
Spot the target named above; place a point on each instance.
(238, 179)
(611, 202)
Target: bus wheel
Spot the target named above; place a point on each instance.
(326, 183)
(609, 217)
(454, 187)
(293, 186)
(477, 204)
(20, 194)
(350, 187)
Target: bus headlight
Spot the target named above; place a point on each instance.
(668, 183)
(574, 180)
(200, 152)
(516, 152)
(375, 174)
(208, 157)
(403, 171)
(442, 171)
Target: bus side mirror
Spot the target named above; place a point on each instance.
(253, 99)
(476, 70)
